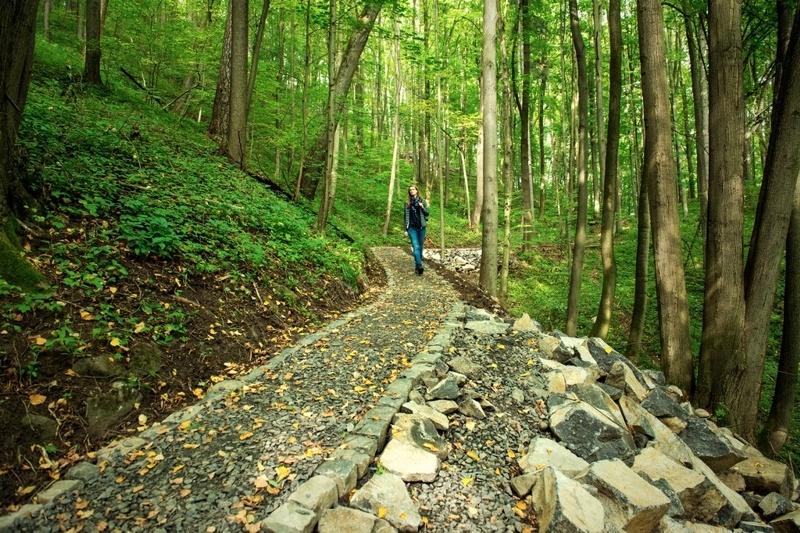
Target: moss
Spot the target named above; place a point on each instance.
(13, 266)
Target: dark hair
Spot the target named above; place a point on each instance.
(408, 202)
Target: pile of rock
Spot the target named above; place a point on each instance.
(631, 454)
(456, 259)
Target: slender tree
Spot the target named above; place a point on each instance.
(659, 171)
(330, 124)
(508, 150)
(395, 128)
(221, 111)
(526, 28)
(576, 272)
(237, 124)
(488, 272)
(91, 71)
(603, 321)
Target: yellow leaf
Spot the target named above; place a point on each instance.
(185, 492)
(120, 479)
(189, 446)
(467, 480)
(137, 488)
(382, 512)
(198, 392)
(142, 420)
(26, 490)
(282, 472)
(472, 454)
(470, 425)
(115, 341)
(40, 341)
(521, 505)
(86, 315)
(37, 399)
(246, 435)
(71, 373)
(431, 447)
(185, 425)
(178, 468)
(139, 327)
(511, 454)
(112, 290)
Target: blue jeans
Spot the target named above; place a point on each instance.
(417, 236)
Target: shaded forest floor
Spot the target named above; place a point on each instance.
(168, 271)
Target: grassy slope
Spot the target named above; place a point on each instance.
(145, 234)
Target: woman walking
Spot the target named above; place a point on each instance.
(416, 215)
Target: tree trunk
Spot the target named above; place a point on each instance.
(91, 71)
(659, 171)
(251, 76)
(48, 7)
(237, 124)
(579, 246)
(768, 238)
(488, 272)
(778, 425)
(508, 150)
(640, 287)
(603, 320)
(304, 102)
(315, 164)
(700, 119)
(17, 39)
(395, 127)
(221, 111)
(477, 209)
(598, 100)
(542, 87)
(525, 126)
(723, 302)
(330, 121)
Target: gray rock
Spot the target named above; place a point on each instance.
(360, 443)
(358, 458)
(344, 473)
(621, 376)
(410, 462)
(416, 397)
(345, 520)
(317, 494)
(631, 503)
(9, 521)
(375, 424)
(708, 446)
(290, 518)
(548, 345)
(439, 420)
(83, 471)
(223, 388)
(518, 396)
(522, 485)
(656, 376)
(145, 359)
(754, 527)
(466, 366)
(420, 432)
(545, 452)
(733, 480)
(382, 526)
(105, 366)
(106, 409)
(660, 404)
(487, 327)
(446, 389)
(43, 427)
(562, 504)
(470, 407)
(613, 392)
(477, 314)
(774, 505)
(58, 489)
(590, 433)
(597, 397)
(388, 491)
(445, 407)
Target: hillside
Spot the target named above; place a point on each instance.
(166, 268)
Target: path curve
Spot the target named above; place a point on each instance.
(231, 460)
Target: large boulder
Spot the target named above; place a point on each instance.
(386, 495)
(788, 523)
(764, 475)
(596, 396)
(589, 432)
(344, 519)
(439, 420)
(545, 452)
(145, 359)
(631, 503)
(420, 432)
(621, 376)
(43, 427)
(103, 366)
(446, 389)
(465, 365)
(562, 504)
(708, 446)
(526, 323)
(660, 404)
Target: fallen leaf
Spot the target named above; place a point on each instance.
(246, 435)
(71, 373)
(115, 342)
(83, 515)
(382, 512)
(178, 468)
(472, 454)
(137, 488)
(261, 482)
(26, 490)
(470, 425)
(86, 315)
(40, 341)
(467, 480)
(282, 472)
(120, 479)
(185, 492)
(37, 399)
(511, 454)
(142, 420)
(139, 327)
(198, 392)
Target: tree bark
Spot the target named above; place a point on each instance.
(48, 6)
(603, 320)
(480, 146)
(700, 119)
(330, 123)
(17, 39)
(221, 111)
(579, 246)
(251, 76)
(237, 125)
(659, 171)
(542, 89)
(304, 101)
(488, 272)
(723, 300)
(642, 263)
(395, 127)
(598, 98)
(768, 238)
(508, 150)
(315, 163)
(525, 126)
(91, 71)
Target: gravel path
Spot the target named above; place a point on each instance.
(239, 457)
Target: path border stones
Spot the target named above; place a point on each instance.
(349, 462)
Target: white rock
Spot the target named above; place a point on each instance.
(439, 420)
(622, 377)
(409, 462)
(562, 504)
(545, 452)
(388, 491)
(526, 323)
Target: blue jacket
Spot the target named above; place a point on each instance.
(418, 211)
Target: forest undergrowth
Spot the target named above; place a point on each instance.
(151, 243)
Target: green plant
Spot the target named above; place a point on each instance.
(149, 235)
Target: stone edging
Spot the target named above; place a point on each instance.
(82, 472)
(335, 477)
